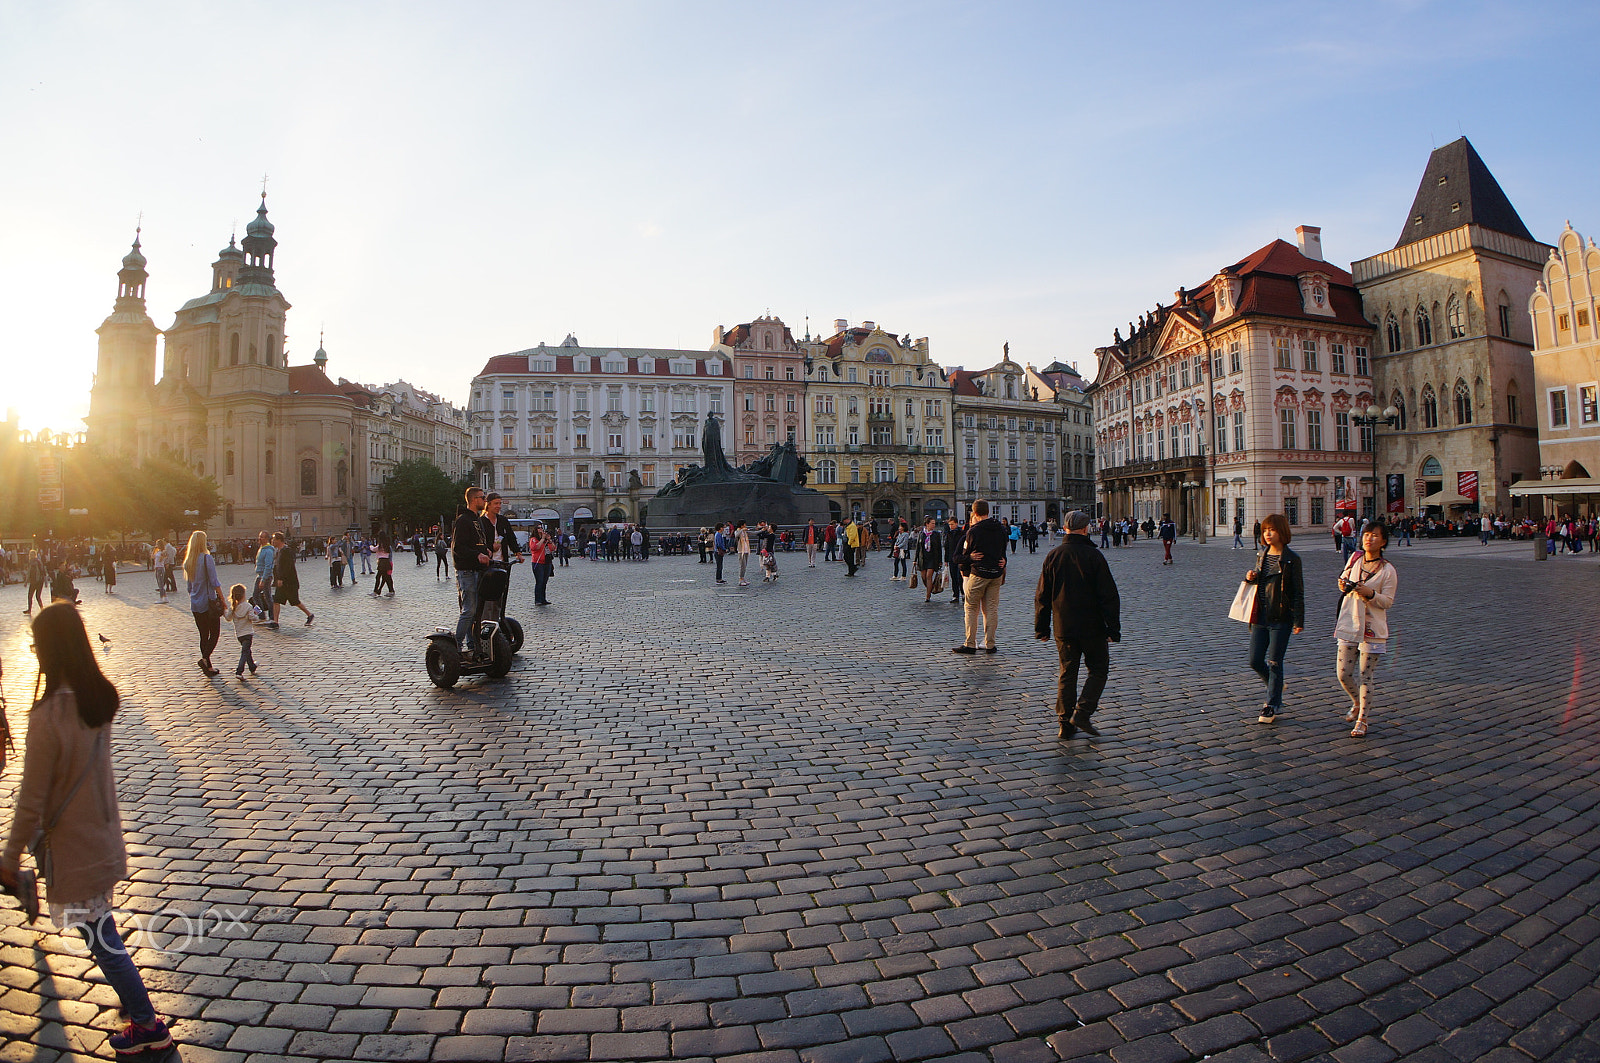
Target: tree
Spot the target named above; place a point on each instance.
(417, 494)
(163, 490)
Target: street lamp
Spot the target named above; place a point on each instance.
(1372, 418)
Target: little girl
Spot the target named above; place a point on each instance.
(243, 628)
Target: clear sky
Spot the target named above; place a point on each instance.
(455, 181)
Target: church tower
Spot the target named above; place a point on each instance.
(125, 372)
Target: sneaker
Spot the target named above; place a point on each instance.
(272, 625)
(722, 583)
(963, 649)
(1267, 716)
(135, 1038)
(742, 583)
(310, 618)
(252, 669)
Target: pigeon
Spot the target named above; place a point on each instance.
(101, 637)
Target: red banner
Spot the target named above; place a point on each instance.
(1467, 485)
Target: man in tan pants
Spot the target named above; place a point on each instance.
(983, 569)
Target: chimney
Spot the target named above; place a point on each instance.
(716, 336)
(840, 324)
(1310, 239)
(869, 325)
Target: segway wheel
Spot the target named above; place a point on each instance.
(513, 632)
(444, 665)
(499, 656)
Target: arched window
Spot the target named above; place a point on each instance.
(1398, 401)
(1430, 407)
(229, 465)
(308, 477)
(1505, 314)
(1453, 319)
(272, 349)
(827, 471)
(269, 463)
(1424, 327)
(1463, 402)
(883, 471)
(855, 472)
(1513, 403)
(936, 472)
(1392, 327)
(233, 349)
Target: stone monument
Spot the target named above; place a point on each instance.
(771, 489)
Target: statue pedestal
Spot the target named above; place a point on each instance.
(700, 505)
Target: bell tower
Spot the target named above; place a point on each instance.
(125, 372)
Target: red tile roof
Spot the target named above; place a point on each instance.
(963, 382)
(310, 380)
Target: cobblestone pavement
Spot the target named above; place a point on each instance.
(786, 824)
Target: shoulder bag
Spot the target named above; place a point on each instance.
(40, 845)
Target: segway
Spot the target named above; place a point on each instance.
(499, 636)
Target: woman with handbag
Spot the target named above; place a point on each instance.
(66, 810)
(1366, 591)
(1280, 609)
(930, 556)
(205, 596)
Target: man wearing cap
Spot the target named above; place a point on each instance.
(1076, 589)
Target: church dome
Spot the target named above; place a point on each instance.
(134, 259)
(261, 226)
(231, 251)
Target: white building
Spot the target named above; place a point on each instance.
(579, 434)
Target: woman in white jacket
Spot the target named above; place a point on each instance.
(1367, 587)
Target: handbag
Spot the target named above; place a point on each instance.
(913, 581)
(39, 846)
(938, 582)
(1244, 602)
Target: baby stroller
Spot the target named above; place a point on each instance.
(769, 567)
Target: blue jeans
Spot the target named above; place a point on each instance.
(467, 592)
(1267, 645)
(111, 956)
(541, 576)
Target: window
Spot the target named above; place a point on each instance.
(1314, 431)
(788, 403)
(1563, 322)
(712, 368)
(580, 401)
(878, 378)
(935, 472)
(1216, 365)
(508, 439)
(933, 408)
(994, 450)
(613, 401)
(1161, 443)
(1284, 358)
(683, 439)
(994, 481)
(771, 370)
(1430, 407)
(682, 368)
(883, 472)
(1463, 403)
(852, 436)
(646, 365)
(647, 402)
(1558, 409)
(1031, 450)
(1318, 510)
(855, 472)
(970, 421)
(308, 467)
(1222, 433)
(911, 408)
(788, 372)
(647, 440)
(1172, 378)
(268, 469)
(716, 403)
(1291, 511)
(1234, 364)
(508, 477)
(1183, 375)
(508, 400)
(1286, 429)
(1309, 348)
(1588, 411)
(850, 374)
(614, 475)
(772, 434)
(647, 475)
(882, 435)
(935, 436)
(580, 476)
(1238, 430)
(827, 471)
(1188, 441)
(1362, 368)
(1513, 411)
(1392, 330)
(854, 407)
(228, 464)
(772, 402)
(1011, 450)
(825, 404)
(1505, 317)
(1367, 440)
(1453, 320)
(580, 440)
(1341, 430)
(614, 442)
(1424, 327)
(972, 450)
(614, 365)
(1195, 365)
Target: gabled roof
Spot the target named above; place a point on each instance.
(964, 382)
(309, 380)
(1457, 189)
(836, 342)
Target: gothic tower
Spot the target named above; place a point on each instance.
(125, 373)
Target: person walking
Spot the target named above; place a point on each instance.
(205, 596)
(1367, 588)
(385, 566)
(983, 568)
(1169, 535)
(900, 554)
(1078, 595)
(110, 571)
(830, 540)
(1238, 533)
(36, 581)
(811, 544)
(335, 563)
(929, 548)
(265, 553)
(954, 536)
(159, 555)
(741, 540)
(1280, 609)
(719, 547)
(286, 581)
(441, 553)
(852, 546)
(349, 548)
(243, 628)
(1255, 535)
(169, 562)
(66, 808)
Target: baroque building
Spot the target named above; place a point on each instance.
(1236, 401)
(1077, 436)
(404, 422)
(1008, 425)
(769, 387)
(880, 424)
(282, 442)
(1565, 312)
(575, 434)
(1454, 348)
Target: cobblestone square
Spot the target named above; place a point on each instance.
(785, 824)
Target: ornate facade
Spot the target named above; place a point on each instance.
(1077, 436)
(1008, 442)
(769, 387)
(1235, 401)
(575, 434)
(282, 442)
(879, 413)
(1454, 349)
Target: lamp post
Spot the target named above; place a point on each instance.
(1372, 418)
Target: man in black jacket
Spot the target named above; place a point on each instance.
(954, 537)
(1076, 589)
(983, 564)
(469, 549)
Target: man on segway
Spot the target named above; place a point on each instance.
(469, 549)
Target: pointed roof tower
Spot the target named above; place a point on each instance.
(259, 246)
(1457, 189)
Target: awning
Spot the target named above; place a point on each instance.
(1578, 485)
(1450, 499)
